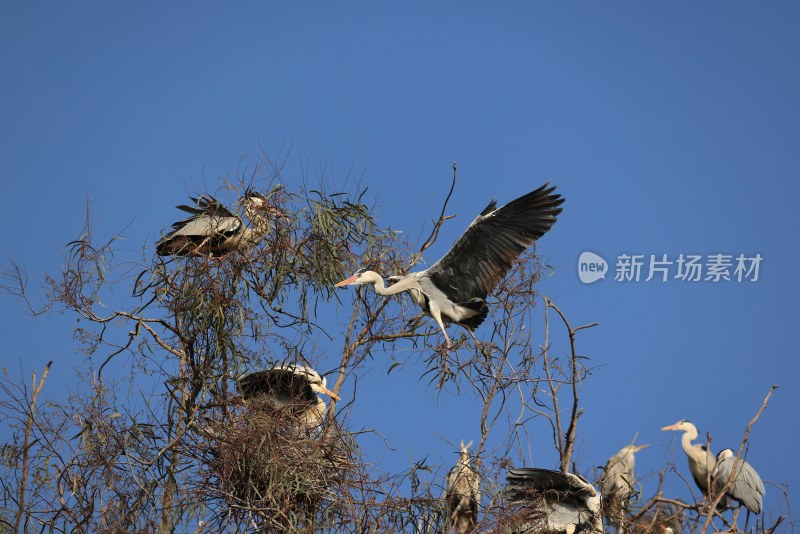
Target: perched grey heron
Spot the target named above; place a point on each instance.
(462, 493)
(617, 481)
(701, 460)
(746, 486)
(454, 289)
(291, 387)
(213, 230)
(553, 501)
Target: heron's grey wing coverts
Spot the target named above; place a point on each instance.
(209, 221)
(747, 487)
(206, 226)
(485, 253)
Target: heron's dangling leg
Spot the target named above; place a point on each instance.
(437, 315)
(199, 248)
(446, 338)
(468, 329)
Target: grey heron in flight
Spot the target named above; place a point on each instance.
(701, 460)
(213, 230)
(553, 501)
(617, 481)
(291, 387)
(454, 289)
(462, 494)
(746, 486)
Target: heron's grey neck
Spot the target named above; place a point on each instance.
(257, 230)
(398, 287)
(689, 435)
(630, 458)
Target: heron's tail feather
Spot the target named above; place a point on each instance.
(479, 306)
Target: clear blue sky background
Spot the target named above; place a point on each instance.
(670, 127)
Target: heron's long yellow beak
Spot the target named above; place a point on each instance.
(348, 281)
(329, 393)
(640, 447)
(670, 427)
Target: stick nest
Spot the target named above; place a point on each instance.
(275, 470)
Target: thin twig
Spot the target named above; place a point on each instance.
(720, 494)
(438, 224)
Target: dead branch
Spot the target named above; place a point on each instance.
(712, 506)
(26, 449)
(566, 447)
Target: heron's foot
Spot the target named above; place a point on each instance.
(447, 343)
(444, 347)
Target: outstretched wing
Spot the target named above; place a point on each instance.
(210, 223)
(525, 481)
(494, 240)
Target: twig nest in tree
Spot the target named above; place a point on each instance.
(272, 467)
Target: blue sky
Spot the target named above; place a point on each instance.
(669, 127)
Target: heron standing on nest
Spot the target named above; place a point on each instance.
(295, 388)
(553, 501)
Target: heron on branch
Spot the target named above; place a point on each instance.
(454, 289)
(213, 230)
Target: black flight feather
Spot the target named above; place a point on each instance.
(485, 253)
